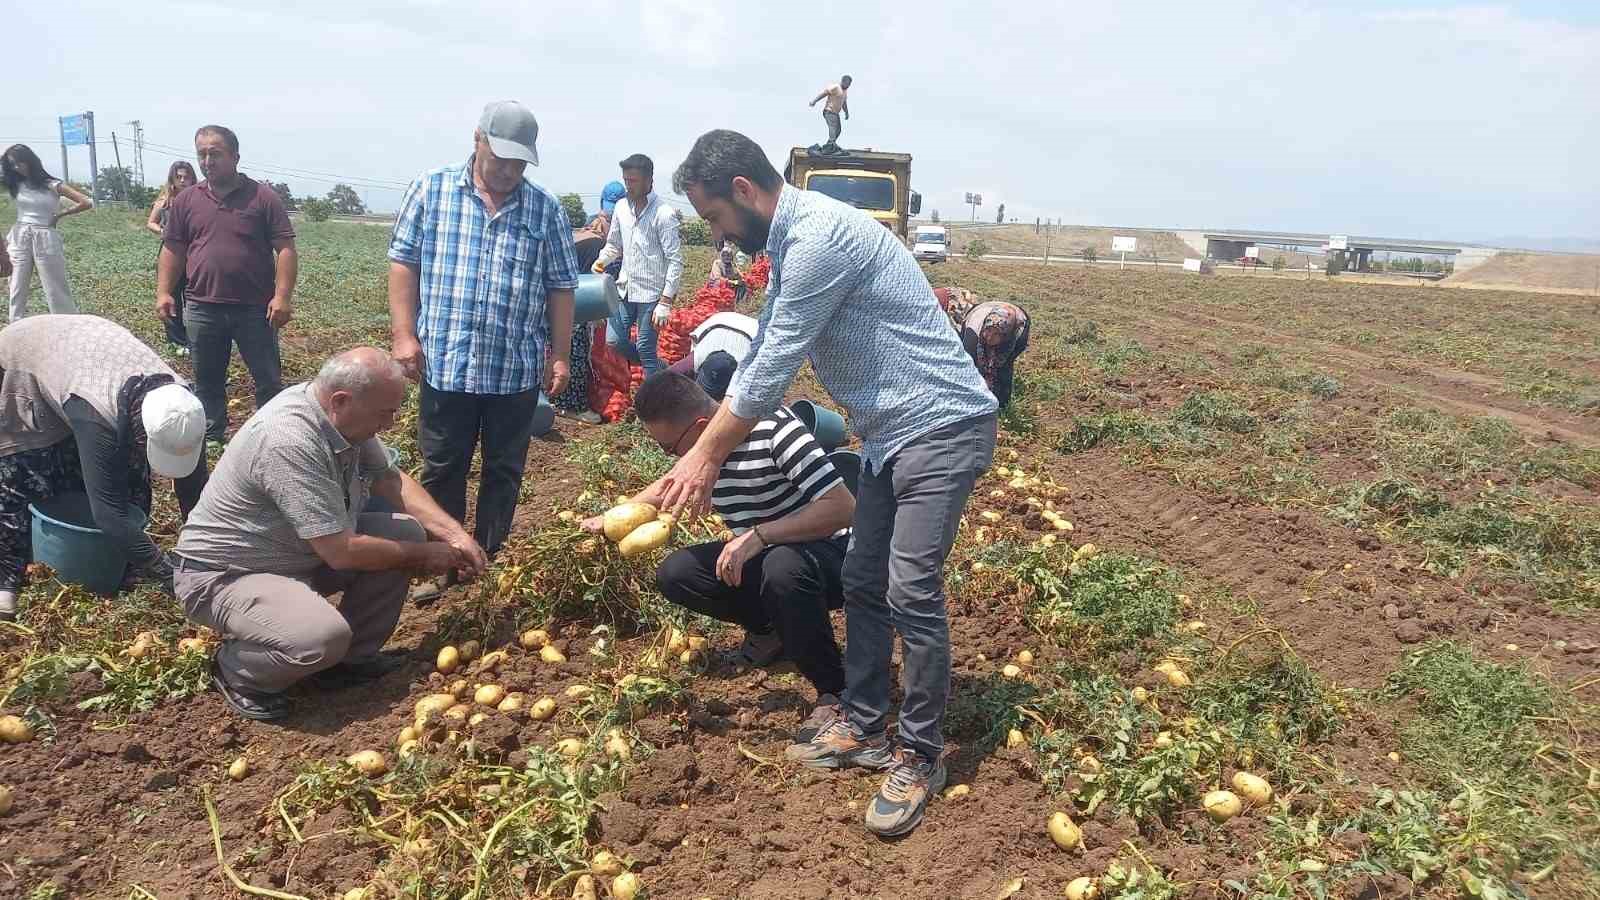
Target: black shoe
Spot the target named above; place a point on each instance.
(353, 672)
(251, 704)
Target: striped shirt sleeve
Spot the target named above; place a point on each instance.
(801, 459)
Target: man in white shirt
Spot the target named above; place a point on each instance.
(718, 345)
(644, 232)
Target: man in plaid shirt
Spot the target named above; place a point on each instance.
(481, 277)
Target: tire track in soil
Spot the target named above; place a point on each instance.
(1450, 389)
(1359, 621)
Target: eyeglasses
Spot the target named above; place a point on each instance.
(673, 449)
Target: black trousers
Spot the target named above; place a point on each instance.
(790, 587)
(449, 428)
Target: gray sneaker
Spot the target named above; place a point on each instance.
(898, 808)
(827, 711)
(837, 747)
(8, 605)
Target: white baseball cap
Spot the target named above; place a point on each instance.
(511, 130)
(175, 430)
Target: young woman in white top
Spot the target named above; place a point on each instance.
(34, 242)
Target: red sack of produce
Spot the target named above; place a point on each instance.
(760, 270)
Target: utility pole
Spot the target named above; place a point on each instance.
(138, 149)
(117, 152)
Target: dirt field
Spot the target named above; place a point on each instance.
(1360, 522)
(1578, 273)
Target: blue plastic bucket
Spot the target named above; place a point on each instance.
(66, 540)
(595, 299)
(826, 425)
(544, 416)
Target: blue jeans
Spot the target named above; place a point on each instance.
(617, 334)
(906, 517)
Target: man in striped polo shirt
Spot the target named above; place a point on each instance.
(790, 513)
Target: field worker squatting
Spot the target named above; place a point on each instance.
(305, 503)
(847, 295)
(87, 407)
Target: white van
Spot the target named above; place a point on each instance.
(928, 243)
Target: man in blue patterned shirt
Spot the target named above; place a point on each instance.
(481, 276)
(848, 296)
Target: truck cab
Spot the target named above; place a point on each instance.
(878, 184)
(929, 243)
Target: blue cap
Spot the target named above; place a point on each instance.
(610, 194)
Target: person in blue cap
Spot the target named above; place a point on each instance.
(609, 195)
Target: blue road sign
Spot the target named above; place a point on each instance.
(75, 129)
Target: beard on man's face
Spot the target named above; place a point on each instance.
(753, 229)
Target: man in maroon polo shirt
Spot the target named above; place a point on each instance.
(224, 233)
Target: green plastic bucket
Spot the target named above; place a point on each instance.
(65, 539)
(826, 425)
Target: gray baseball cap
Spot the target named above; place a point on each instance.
(511, 130)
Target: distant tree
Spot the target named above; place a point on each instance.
(117, 183)
(1088, 253)
(345, 201)
(281, 188)
(695, 232)
(1434, 266)
(572, 204)
(1000, 214)
(1278, 263)
(317, 210)
(936, 217)
(977, 249)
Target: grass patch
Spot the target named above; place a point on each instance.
(1113, 600)
(1216, 409)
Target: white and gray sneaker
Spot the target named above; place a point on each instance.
(8, 606)
(828, 711)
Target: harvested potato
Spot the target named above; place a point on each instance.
(1252, 788)
(1064, 832)
(491, 661)
(368, 762)
(1221, 805)
(543, 709)
(477, 717)
(513, 701)
(239, 768)
(1141, 696)
(1011, 670)
(449, 660)
(408, 733)
(550, 653)
(1164, 739)
(1178, 678)
(1025, 658)
(458, 687)
(192, 645)
(956, 791)
(15, 730)
(534, 638)
(434, 703)
(617, 746)
(469, 650)
(621, 520)
(1082, 888)
(578, 692)
(1015, 739)
(489, 695)
(583, 888)
(570, 747)
(646, 538)
(625, 886)
(605, 863)
(7, 799)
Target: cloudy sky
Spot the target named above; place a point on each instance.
(1404, 118)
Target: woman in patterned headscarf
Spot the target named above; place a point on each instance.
(994, 332)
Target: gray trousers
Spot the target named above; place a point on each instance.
(906, 518)
(279, 629)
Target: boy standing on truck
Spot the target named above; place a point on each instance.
(838, 99)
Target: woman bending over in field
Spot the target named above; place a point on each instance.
(994, 332)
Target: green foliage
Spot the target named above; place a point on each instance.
(1088, 253)
(1270, 695)
(977, 250)
(572, 205)
(317, 210)
(281, 188)
(1314, 384)
(695, 232)
(1216, 409)
(986, 711)
(1136, 882)
(144, 683)
(1113, 599)
(1279, 263)
(346, 202)
(45, 678)
(1482, 708)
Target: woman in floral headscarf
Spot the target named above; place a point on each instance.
(994, 332)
